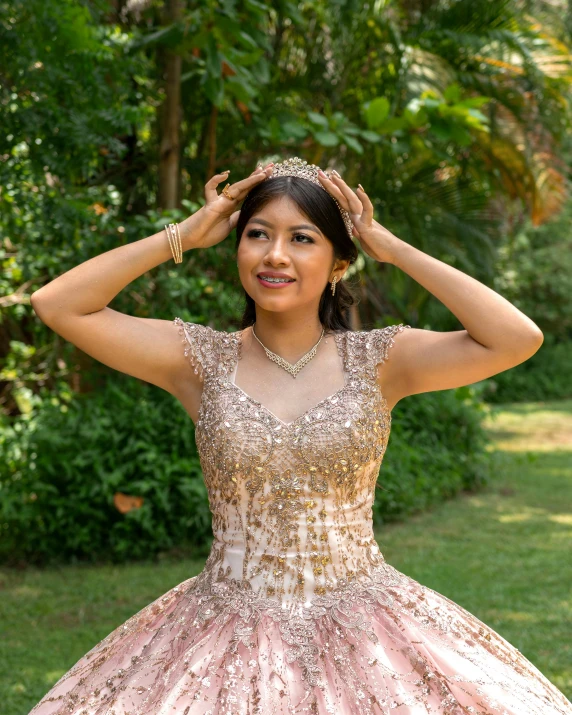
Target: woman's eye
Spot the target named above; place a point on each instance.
(256, 233)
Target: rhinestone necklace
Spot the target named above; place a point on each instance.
(292, 369)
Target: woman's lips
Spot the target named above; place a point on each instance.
(268, 284)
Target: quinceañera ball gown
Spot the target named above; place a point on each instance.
(296, 610)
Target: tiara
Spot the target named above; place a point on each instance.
(301, 169)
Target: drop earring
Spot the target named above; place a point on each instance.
(334, 281)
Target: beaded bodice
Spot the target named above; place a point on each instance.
(291, 502)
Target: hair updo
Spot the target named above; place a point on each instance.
(317, 204)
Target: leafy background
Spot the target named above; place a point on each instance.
(453, 114)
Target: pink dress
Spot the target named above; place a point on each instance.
(296, 610)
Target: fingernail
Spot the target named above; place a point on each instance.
(225, 172)
(361, 187)
(336, 173)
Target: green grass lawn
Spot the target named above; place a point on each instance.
(503, 554)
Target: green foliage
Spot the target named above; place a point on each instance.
(68, 95)
(546, 376)
(67, 461)
(452, 118)
(535, 273)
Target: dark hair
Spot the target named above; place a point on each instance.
(317, 204)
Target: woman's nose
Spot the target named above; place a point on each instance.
(277, 250)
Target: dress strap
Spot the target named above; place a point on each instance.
(365, 349)
(212, 353)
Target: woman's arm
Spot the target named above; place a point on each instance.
(497, 335)
(74, 305)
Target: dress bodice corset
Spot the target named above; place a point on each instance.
(291, 502)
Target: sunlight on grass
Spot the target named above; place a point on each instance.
(27, 592)
(539, 426)
(520, 617)
(508, 518)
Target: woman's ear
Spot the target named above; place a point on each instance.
(341, 264)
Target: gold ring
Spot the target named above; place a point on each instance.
(225, 193)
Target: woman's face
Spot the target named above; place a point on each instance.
(279, 239)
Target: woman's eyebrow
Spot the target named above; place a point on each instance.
(307, 226)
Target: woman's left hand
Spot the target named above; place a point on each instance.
(376, 241)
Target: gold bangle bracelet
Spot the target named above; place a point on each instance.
(169, 239)
(179, 243)
(174, 242)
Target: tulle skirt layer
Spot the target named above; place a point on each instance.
(386, 646)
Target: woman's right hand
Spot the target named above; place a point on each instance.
(213, 222)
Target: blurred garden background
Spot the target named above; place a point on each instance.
(455, 117)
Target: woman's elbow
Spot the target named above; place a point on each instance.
(40, 307)
(533, 342)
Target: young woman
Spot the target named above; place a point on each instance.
(296, 610)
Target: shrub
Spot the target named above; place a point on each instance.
(67, 462)
(437, 448)
(545, 376)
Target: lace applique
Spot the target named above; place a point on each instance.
(367, 348)
(210, 351)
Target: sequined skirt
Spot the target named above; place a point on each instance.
(383, 645)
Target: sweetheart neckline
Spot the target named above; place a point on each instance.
(337, 335)
(342, 350)
(297, 419)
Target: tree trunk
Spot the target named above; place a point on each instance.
(170, 112)
(211, 139)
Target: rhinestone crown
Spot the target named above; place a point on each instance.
(300, 168)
